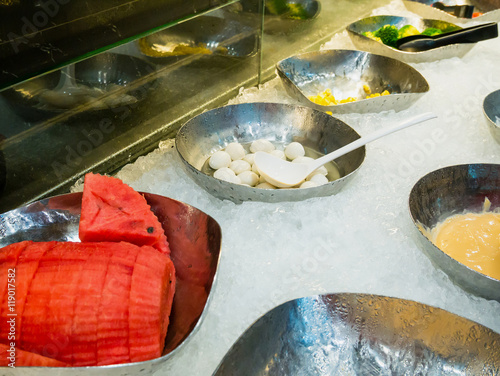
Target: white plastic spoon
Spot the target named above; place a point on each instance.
(284, 174)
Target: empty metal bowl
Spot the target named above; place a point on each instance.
(345, 72)
(489, 10)
(208, 35)
(356, 30)
(360, 334)
(279, 123)
(123, 79)
(455, 190)
(57, 218)
(491, 109)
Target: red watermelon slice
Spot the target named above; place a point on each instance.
(87, 310)
(8, 261)
(151, 297)
(93, 303)
(25, 358)
(112, 323)
(113, 212)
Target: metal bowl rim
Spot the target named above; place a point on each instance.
(275, 191)
(366, 53)
(408, 53)
(415, 222)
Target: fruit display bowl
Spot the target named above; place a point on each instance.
(454, 190)
(362, 42)
(360, 334)
(489, 10)
(57, 218)
(346, 73)
(279, 123)
(491, 109)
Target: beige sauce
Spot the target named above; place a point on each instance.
(473, 239)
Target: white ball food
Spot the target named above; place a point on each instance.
(250, 158)
(261, 145)
(239, 166)
(235, 151)
(254, 169)
(308, 184)
(303, 159)
(320, 170)
(319, 179)
(265, 185)
(278, 153)
(225, 173)
(249, 177)
(294, 150)
(219, 159)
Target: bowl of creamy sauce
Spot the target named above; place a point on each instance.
(456, 210)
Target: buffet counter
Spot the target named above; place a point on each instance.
(359, 240)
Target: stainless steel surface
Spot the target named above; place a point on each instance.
(356, 30)
(424, 9)
(491, 109)
(118, 76)
(345, 72)
(209, 35)
(453, 190)
(190, 233)
(360, 334)
(280, 123)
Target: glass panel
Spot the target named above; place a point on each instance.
(121, 103)
(130, 97)
(41, 35)
(295, 26)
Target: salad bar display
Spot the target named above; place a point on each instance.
(383, 260)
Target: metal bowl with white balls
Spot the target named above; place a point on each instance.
(281, 124)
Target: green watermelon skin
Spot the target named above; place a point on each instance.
(113, 211)
(94, 304)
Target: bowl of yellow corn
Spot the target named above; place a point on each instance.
(345, 81)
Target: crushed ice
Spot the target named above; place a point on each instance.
(360, 240)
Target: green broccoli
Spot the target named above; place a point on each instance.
(370, 35)
(297, 12)
(388, 34)
(430, 31)
(407, 30)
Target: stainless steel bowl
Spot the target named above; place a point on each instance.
(345, 72)
(359, 334)
(280, 123)
(57, 218)
(209, 35)
(453, 190)
(491, 109)
(489, 9)
(124, 80)
(356, 30)
(284, 16)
